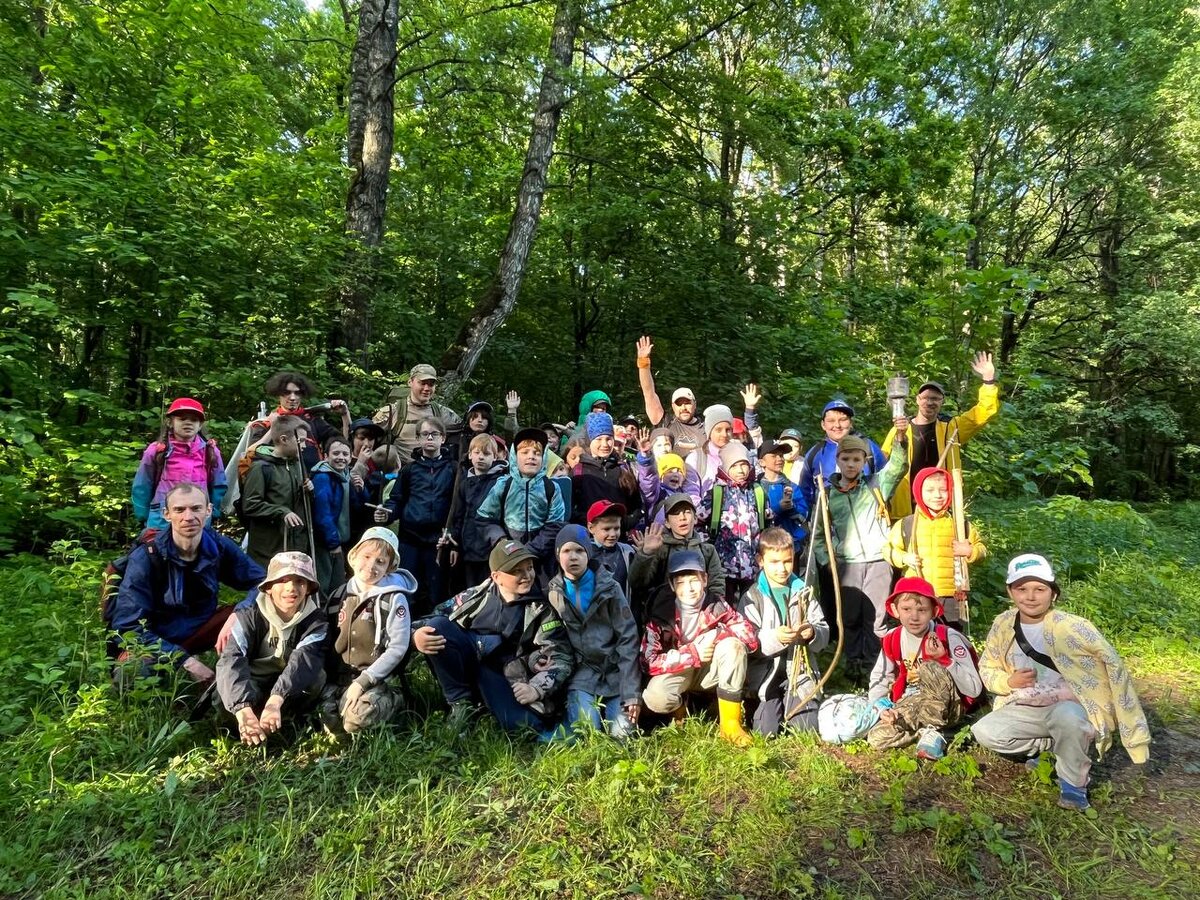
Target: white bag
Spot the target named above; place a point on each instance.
(843, 718)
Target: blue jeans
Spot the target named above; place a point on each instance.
(464, 676)
(586, 710)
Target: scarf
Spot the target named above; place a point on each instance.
(279, 630)
(580, 592)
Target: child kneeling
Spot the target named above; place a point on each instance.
(1058, 684)
(694, 641)
(925, 676)
(275, 654)
(371, 622)
(605, 687)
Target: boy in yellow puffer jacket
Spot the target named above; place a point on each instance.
(923, 544)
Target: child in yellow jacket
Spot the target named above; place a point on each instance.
(923, 544)
(1057, 684)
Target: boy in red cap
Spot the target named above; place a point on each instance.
(604, 525)
(924, 544)
(926, 676)
(182, 453)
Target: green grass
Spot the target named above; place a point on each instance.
(106, 796)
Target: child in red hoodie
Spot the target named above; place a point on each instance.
(923, 545)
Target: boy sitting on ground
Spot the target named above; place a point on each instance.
(925, 675)
(276, 652)
(696, 642)
(791, 632)
(1057, 684)
(371, 622)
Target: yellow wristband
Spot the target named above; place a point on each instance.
(643, 362)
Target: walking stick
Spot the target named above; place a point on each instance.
(962, 577)
(799, 652)
(458, 470)
(837, 599)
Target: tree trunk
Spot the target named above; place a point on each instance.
(370, 132)
(461, 357)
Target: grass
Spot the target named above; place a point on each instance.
(122, 797)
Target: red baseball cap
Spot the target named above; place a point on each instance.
(604, 508)
(912, 585)
(186, 404)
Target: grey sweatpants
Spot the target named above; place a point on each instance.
(726, 673)
(1063, 728)
(865, 587)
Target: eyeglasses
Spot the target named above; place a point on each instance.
(426, 435)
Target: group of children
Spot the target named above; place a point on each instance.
(605, 579)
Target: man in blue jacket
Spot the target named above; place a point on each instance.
(167, 603)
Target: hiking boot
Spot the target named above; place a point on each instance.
(931, 744)
(1071, 797)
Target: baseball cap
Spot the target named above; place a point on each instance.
(686, 561)
(1029, 565)
(779, 449)
(186, 404)
(422, 372)
(932, 384)
(789, 434)
(537, 435)
(507, 555)
(379, 533)
(683, 394)
(840, 405)
(604, 508)
(853, 442)
(675, 499)
(292, 562)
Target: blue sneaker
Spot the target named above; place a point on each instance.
(931, 744)
(1071, 797)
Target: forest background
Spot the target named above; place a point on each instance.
(813, 196)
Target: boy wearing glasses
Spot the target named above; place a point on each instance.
(420, 505)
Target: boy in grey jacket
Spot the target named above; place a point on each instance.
(605, 687)
(791, 632)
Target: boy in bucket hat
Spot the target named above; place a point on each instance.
(276, 652)
(925, 677)
(473, 636)
(370, 618)
(1056, 683)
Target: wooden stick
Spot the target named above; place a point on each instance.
(962, 576)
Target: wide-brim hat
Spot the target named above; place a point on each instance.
(288, 564)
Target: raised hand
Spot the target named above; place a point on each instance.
(644, 347)
(513, 400)
(751, 396)
(983, 366)
(644, 444)
(653, 539)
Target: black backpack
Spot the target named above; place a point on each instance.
(110, 585)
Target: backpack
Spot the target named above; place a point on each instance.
(718, 499)
(547, 485)
(110, 584)
(238, 510)
(908, 523)
(890, 647)
(160, 462)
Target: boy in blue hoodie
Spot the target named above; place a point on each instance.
(524, 505)
(370, 619)
(331, 512)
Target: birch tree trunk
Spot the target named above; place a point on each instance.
(370, 132)
(498, 301)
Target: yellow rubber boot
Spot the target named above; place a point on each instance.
(731, 723)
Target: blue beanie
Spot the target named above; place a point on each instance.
(599, 423)
(574, 534)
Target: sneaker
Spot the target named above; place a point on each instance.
(931, 744)
(1071, 797)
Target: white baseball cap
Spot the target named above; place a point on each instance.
(1030, 565)
(683, 394)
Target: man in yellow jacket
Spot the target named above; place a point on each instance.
(930, 431)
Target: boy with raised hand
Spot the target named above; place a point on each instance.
(476, 634)
(696, 642)
(785, 620)
(604, 690)
(925, 545)
(604, 525)
(371, 622)
(274, 503)
(524, 505)
(859, 523)
(925, 677)
(1056, 684)
(648, 570)
(276, 652)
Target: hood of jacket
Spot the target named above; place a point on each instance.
(324, 466)
(515, 473)
(919, 483)
(590, 399)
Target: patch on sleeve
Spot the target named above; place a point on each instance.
(960, 651)
(551, 626)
